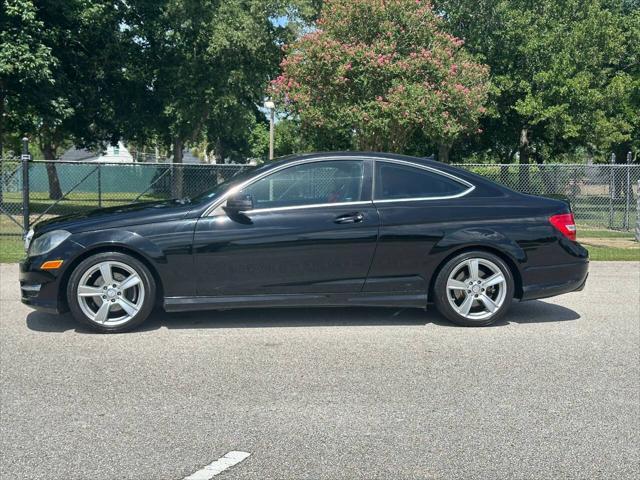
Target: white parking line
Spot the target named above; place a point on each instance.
(219, 466)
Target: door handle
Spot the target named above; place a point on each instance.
(356, 217)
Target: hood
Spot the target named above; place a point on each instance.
(117, 217)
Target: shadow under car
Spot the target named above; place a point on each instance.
(521, 313)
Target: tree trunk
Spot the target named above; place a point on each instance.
(504, 168)
(178, 177)
(547, 179)
(443, 152)
(524, 151)
(219, 154)
(55, 191)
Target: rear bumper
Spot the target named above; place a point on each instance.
(548, 281)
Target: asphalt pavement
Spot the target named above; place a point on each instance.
(553, 391)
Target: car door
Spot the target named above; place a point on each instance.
(416, 204)
(312, 229)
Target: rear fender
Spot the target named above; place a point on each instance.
(481, 237)
(485, 239)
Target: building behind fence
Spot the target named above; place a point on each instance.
(602, 196)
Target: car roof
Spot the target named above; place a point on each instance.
(349, 154)
(487, 186)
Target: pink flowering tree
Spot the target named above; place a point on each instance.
(377, 72)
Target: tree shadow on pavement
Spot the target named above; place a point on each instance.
(520, 313)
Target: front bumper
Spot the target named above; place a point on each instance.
(40, 289)
(45, 290)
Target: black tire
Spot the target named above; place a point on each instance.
(440, 292)
(146, 279)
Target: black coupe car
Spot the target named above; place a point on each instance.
(338, 229)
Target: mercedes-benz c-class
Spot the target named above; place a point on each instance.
(339, 229)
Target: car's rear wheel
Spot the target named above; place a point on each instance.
(474, 289)
(112, 292)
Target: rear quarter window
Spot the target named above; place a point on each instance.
(395, 181)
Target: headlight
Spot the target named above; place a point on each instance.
(47, 242)
(27, 240)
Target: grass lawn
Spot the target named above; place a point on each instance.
(611, 253)
(584, 231)
(609, 244)
(11, 249)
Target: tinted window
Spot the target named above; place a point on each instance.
(235, 179)
(310, 183)
(395, 181)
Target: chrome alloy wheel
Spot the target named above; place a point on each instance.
(110, 293)
(476, 288)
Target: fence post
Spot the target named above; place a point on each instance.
(99, 185)
(612, 189)
(638, 216)
(25, 158)
(627, 193)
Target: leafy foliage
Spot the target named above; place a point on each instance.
(60, 70)
(288, 139)
(207, 64)
(565, 72)
(149, 71)
(563, 77)
(25, 62)
(375, 73)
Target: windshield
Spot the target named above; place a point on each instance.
(221, 188)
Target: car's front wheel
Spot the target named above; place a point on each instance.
(112, 292)
(474, 289)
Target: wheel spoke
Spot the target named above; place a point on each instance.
(456, 285)
(88, 291)
(488, 303)
(465, 307)
(127, 306)
(473, 269)
(105, 271)
(103, 312)
(494, 279)
(131, 281)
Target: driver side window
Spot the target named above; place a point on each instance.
(309, 184)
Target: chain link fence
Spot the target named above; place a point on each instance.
(58, 188)
(11, 197)
(602, 196)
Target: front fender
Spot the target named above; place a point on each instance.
(167, 248)
(123, 238)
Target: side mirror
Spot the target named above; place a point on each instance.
(240, 202)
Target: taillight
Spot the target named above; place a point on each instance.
(566, 224)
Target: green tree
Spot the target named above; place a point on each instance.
(165, 72)
(288, 139)
(25, 63)
(563, 72)
(207, 64)
(77, 46)
(374, 74)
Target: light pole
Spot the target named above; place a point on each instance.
(272, 110)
